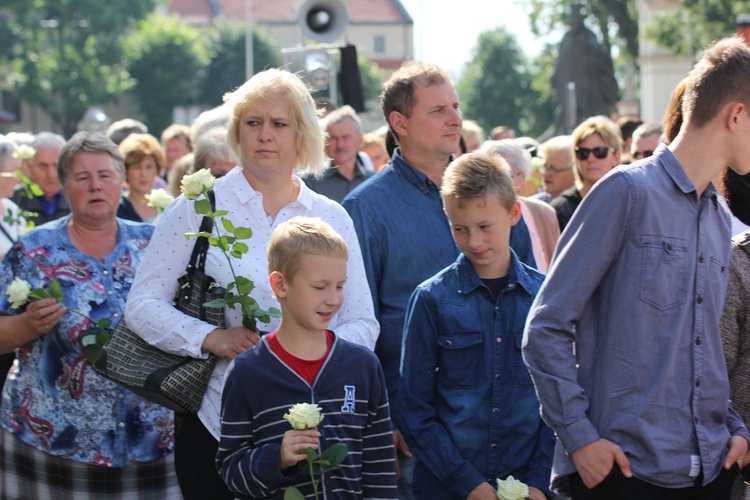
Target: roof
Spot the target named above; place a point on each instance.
(284, 11)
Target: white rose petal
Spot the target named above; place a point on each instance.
(159, 199)
(193, 185)
(511, 489)
(24, 152)
(304, 416)
(18, 292)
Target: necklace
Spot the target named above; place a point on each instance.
(271, 216)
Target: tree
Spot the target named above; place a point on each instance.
(371, 75)
(66, 55)
(695, 23)
(496, 88)
(167, 60)
(226, 68)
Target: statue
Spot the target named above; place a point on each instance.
(582, 62)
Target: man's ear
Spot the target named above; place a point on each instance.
(737, 113)
(515, 213)
(396, 119)
(278, 284)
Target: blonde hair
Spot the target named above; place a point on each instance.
(478, 175)
(604, 128)
(273, 84)
(300, 236)
(136, 147)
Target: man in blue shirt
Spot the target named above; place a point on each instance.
(623, 339)
(468, 406)
(398, 213)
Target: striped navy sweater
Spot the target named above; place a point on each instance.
(350, 388)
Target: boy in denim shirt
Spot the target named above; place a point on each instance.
(468, 404)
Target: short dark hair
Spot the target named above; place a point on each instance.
(738, 194)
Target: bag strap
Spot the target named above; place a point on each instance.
(198, 258)
(7, 235)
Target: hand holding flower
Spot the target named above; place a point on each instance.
(294, 444)
(511, 489)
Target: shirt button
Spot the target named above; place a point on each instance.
(105, 272)
(109, 292)
(701, 259)
(120, 396)
(669, 247)
(698, 341)
(495, 411)
(493, 446)
(116, 315)
(497, 376)
(121, 425)
(699, 299)
(499, 340)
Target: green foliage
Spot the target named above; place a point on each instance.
(497, 88)
(167, 59)
(696, 23)
(371, 75)
(66, 55)
(317, 466)
(226, 68)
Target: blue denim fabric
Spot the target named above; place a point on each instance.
(468, 407)
(637, 285)
(405, 239)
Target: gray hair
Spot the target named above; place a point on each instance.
(44, 140)
(211, 144)
(88, 142)
(560, 144)
(515, 154)
(341, 114)
(645, 130)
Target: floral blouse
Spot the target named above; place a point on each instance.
(55, 401)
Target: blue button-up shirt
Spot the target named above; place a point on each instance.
(405, 239)
(468, 407)
(637, 284)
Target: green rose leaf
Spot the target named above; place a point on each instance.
(244, 285)
(227, 225)
(243, 233)
(293, 493)
(335, 455)
(203, 207)
(215, 303)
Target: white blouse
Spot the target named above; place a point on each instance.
(150, 308)
(15, 228)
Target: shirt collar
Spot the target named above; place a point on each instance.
(245, 192)
(664, 156)
(468, 279)
(411, 174)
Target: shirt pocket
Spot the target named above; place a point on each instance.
(460, 359)
(664, 271)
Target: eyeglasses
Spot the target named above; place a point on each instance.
(600, 152)
(554, 170)
(642, 154)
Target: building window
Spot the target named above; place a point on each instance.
(380, 44)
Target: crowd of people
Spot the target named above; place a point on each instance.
(464, 312)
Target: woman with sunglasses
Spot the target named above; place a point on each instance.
(596, 150)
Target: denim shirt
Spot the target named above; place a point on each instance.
(468, 407)
(637, 284)
(55, 401)
(405, 238)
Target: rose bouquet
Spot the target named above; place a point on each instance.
(303, 416)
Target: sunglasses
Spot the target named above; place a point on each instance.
(642, 154)
(600, 152)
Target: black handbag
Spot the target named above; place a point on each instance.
(175, 382)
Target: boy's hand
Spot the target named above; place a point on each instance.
(294, 441)
(595, 461)
(483, 492)
(737, 452)
(401, 447)
(536, 494)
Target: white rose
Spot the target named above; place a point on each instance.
(159, 199)
(193, 185)
(24, 152)
(18, 292)
(304, 416)
(511, 489)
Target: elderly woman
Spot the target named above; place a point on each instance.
(65, 429)
(144, 159)
(212, 152)
(273, 132)
(596, 146)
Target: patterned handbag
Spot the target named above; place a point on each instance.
(175, 382)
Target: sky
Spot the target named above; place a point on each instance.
(446, 31)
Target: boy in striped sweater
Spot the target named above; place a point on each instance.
(304, 362)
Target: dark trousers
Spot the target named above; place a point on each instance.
(618, 487)
(194, 453)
